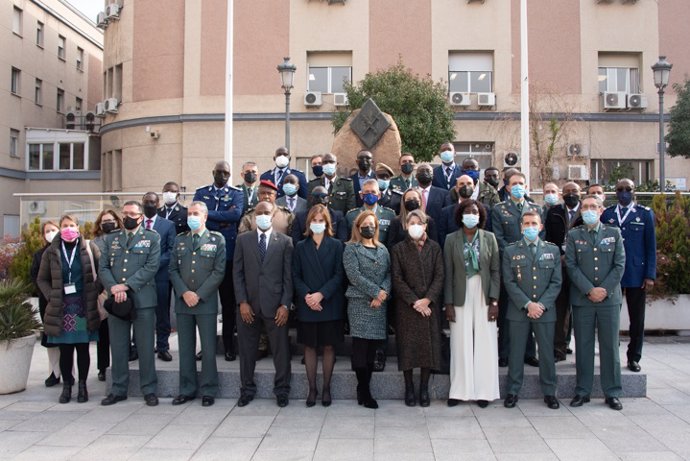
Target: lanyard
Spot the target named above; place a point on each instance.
(278, 175)
(625, 216)
(168, 212)
(70, 259)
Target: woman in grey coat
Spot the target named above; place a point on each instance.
(367, 265)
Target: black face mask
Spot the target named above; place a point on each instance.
(571, 200)
(492, 181)
(424, 178)
(130, 223)
(317, 170)
(108, 227)
(407, 168)
(250, 177)
(367, 232)
(466, 192)
(150, 210)
(364, 164)
(411, 205)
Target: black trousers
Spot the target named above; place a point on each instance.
(226, 290)
(67, 361)
(103, 346)
(563, 314)
(636, 298)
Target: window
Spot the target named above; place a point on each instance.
(470, 72)
(39, 34)
(60, 105)
(41, 157)
(117, 82)
(328, 72)
(15, 85)
(640, 171)
(17, 21)
(109, 83)
(77, 104)
(71, 156)
(14, 143)
(80, 59)
(481, 151)
(61, 47)
(619, 72)
(38, 92)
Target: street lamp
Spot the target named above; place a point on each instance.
(287, 76)
(662, 70)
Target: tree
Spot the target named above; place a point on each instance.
(678, 137)
(418, 105)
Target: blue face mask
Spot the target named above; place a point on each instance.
(590, 217)
(624, 197)
(470, 221)
(194, 222)
(317, 227)
(317, 170)
(370, 199)
(551, 199)
(289, 189)
(474, 174)
(263, 221)
(517, 191)
(383, 184)
(447, 156)
(530, 233)
(329, 169)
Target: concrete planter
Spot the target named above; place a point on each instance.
(663, 314)
(15, 362)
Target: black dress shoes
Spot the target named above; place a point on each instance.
(532, 361)
(244, 400)
(552, 402)
(282, 401)
(502, 363)
(52, 380)
(207, 401)
(614, 403)
(510, 401)
(453, 402)
(230, 356)
(165, 356)
(311, 398)
(634, 366)
(112, 399)
(151, 400)
(101, 375)
(579, 400)
(180, 399)
(483, 403)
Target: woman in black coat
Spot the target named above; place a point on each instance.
(317, 275)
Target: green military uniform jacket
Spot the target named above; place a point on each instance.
(135, 264)
(506, 221)
(532, 278)
(384, 214)
(401, 184)
(488, 195)
(595, 260)
(200, 270)
(341, 192)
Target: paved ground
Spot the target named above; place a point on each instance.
(33, 426)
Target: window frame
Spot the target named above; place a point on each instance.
(14, 143)
(17, 21)
(477, 150)
(40, 34)
(628, 79)
(60, 101)
(329, 77)
(16, 81)
(38, 92)
(56, 153)
(62, 48)
(80, 59)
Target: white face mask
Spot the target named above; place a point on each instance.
(282, 161)
(416, 231)
(169, 198)
(50, 235)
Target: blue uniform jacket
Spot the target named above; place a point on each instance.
(224, 212)
(439, 178)
(166, 229)
(303, 187)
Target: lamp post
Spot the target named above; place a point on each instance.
(287, 75)
(662, 70)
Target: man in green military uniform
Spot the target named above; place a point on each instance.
(532, 277)
(370, 196)
(595, 260)
(197, 267)
(406, 180)
(340, 190)
(128, 269)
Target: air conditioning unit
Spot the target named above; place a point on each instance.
(340, 100)
(37, 207)
(605, 1)
(101, 20)
(71, 119)
(100, 109)
(111, 105)
(637, 101)
(578, 172)
(112, 11)
(486, 99)
(614, 100)
(90, 121)
(331, 2)
(475, 1)
(573, 150)
(459, 99)
(511, 160)
(313, 99)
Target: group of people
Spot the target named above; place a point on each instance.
(370, 253)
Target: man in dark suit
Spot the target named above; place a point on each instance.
(636, 223)
(365, 160)
(291, 200)
(433, 198)
(172, 210)
(340, 190)
(263, 288)
(448, 172)
(277, 175)
(166, 230)
(464, 190)
(559, 220)
(319, 195)
(250, 185)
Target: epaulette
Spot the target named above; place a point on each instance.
(314, 180)
(215, 234)
(515, 243)
(208, 188)
(295, 169)
(354, 209)
(638, 205)
(397, 192)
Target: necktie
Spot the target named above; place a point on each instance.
(149, 224)
(519, 206)
(262, 246)
(533, 249)
(407, 183)
(624, 209)
(129, 237)
(424, 200)
(195, 242)
(291, 203)
(572, 215)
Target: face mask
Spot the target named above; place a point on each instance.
(169, 198)
(383, 184)
(492, 181)
(407, 168)
(370, 199)
(69, 234)
(590, 217)
(220, 178)
(466, 191)
(411, 205)
(108, 227)
(282, 161)
(571, 200)
(364, 164)
(474, 174)
(317, 227)
(289, 189)
(624, 197)
(263, 221)
(317, 170)
(424, 178)
(551, 199)
(367, 232)
(320, 200)
(50, 235)
(250, 177)
(194, 222)
(530, 233)
(150, 210)
(470, 221)
(517, 191)
(329, 169)
(416, 231)
(447, 156)
(130, 223)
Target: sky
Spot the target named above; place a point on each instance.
(90, 8)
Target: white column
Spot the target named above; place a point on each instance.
(524, 95)
(229, 52)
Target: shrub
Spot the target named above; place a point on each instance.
(673, 248)
(18, 318)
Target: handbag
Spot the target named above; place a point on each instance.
(102, 313)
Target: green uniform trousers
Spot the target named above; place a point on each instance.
(544, 333)
(144, 328)
(207, 383)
